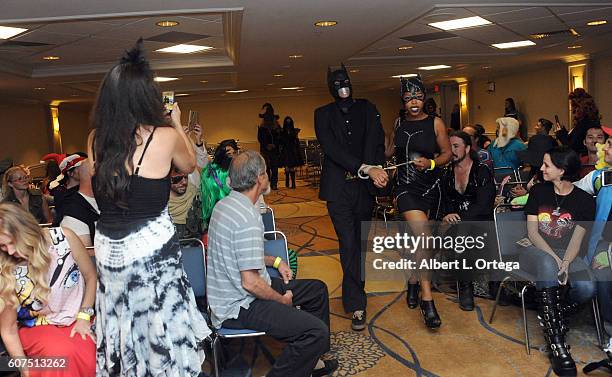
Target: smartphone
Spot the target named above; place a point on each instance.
(557, 119)
(193, 119)
(168, 100)
(606, 178)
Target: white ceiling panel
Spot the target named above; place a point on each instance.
(82, 28)
(488, 34)
(587, 15)
(533, 26)
(462, 46)
(50, 38)
(518, 15)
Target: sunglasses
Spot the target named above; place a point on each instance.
(177, 179)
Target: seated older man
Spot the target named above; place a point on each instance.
(240, 292)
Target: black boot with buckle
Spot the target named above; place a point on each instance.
(553, 321)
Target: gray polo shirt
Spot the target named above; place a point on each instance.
(235, 243)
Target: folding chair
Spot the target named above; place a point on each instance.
(268, 220)
(511, 226)
(276, 247)
(194, 264)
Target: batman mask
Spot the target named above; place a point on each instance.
(339, 84)
(412, 88)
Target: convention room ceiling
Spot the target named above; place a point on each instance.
(266, 45)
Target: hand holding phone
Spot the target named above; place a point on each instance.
(168, 100)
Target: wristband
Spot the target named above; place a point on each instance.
(84, 316)
(433, 164)
(277, 262)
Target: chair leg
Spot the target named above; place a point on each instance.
(497, 296)
(525, 319)
(597, 317)
(215, 356)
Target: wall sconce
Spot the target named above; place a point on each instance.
(491, 86)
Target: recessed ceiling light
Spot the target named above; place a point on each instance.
(513, 44)
(432, 67)
(203, 81)
(460, 23)
(269, 84)
(296, 56)
(182, 94)
(292, 88)
(164, 79)
(278, 75)
(404, 75)
(300, 90)
(237, 91)
(597, 23)
(51, 57)
(166, 23)
(7, 32)
(326, 23)
(40, 88)
(574, 47)
(540, 36)
(354, 70)
(184, 49)
(74, 95)
(485, 67)
(404, 48)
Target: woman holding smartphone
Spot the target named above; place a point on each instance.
(558, 214)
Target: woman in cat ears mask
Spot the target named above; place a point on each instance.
(421, 141)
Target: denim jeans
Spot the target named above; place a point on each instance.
(545, 268)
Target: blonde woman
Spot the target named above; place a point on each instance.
(16, 189)
(47, 292)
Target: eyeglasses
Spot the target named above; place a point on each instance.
(177, 179)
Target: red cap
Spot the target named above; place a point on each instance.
(607, 130)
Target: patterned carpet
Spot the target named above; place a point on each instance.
(396, 342)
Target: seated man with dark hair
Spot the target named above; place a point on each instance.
(240, 292)
(594, 135)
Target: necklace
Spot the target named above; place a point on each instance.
(557, 210)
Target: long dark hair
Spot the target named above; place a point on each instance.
(221, 158)
(583, 106)
(128, 97)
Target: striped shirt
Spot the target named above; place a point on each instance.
(235, 243)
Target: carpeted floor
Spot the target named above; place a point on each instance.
(396, 342)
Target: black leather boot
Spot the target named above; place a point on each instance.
(292, 179)
(287, 179)
(552, 319)
(430, 314)
(412, 295)
(466, 295)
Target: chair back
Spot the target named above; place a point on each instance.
(276, 248)
(510, 226)
(268, 220)
(194, 264)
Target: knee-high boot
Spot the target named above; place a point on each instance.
(292, 179)
(551, 314)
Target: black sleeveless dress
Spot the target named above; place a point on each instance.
(147, 321)
(415, 189)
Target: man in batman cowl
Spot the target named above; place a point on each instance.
(353, 142)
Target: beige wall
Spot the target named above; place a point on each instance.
(25, 133)
(601, 87)
(538, 94)
(74, 124)
(238, 118)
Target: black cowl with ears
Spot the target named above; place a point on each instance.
(337, 80)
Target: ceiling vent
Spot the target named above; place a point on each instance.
(177, 37)
(429, 37)
(22, 44)
(556, 33)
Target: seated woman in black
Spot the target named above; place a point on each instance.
(557, 215)
(468, 193)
